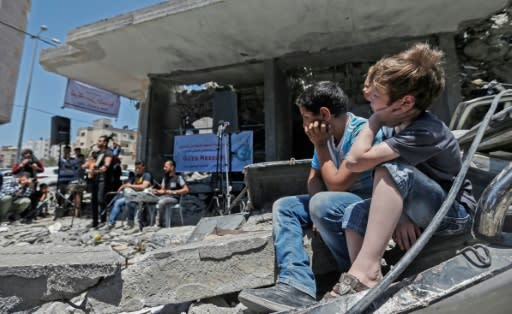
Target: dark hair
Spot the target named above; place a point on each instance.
(24, 174)
(323, 94)
(43, 185)
(139, 163)
(171, 161)
(27, 150)
(105, 138)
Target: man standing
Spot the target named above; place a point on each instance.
(98, 175)
(67, 173)
(140, 182)
(332, 130)
(30, 164)
(173, 186)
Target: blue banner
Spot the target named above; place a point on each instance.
(201, 152)
(83, 97)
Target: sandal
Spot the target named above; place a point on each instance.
(347, 284)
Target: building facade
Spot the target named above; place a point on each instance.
(87, 137)
(13, 15)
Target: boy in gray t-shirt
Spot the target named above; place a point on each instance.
(414, 167)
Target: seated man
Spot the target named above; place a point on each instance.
(15, 196)
(31, 165)
(172, 187)
(140, 182)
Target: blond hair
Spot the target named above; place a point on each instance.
(417, 71)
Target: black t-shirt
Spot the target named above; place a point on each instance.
(428, 144)
(100, 162)
(140, 178)
(174, 182)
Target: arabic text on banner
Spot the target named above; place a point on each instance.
(199, 152)
(83, 97)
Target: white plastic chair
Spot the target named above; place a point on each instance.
(168, 213)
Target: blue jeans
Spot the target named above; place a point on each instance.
(116, 209)
(290, 215)
(422, 198)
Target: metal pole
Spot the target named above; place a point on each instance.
(27, 95)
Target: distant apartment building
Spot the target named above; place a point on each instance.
(41, 148)
(7, 156)
(87, 137)
(13, 15)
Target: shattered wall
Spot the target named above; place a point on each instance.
(485, 53)
(13, 13)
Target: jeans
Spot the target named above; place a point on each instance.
(422, 198)
(98, 201)
(116, 209)
(290, 215)
(162, 205)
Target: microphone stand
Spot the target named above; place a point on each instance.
(227, 194)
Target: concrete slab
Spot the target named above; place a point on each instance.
(190, 272)
(227, 41)
(32, 275)
(207, 225)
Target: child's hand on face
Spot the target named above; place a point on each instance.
(395, 114)
(318, 132)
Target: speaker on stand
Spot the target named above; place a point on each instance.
(60, 130)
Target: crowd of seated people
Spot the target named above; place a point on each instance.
(166, 194)
(24, 199)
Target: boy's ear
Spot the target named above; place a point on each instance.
(409, 102)
(325, 113)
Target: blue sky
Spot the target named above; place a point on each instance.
(47, 91)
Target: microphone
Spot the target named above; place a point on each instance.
(222, 125)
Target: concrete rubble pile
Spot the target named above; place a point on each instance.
(51, 266)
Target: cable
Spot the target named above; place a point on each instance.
(52, 114)
(409, 256)
(28, 34)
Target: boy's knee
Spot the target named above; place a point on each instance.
(381, 172)
(318, 206)
(283, 206)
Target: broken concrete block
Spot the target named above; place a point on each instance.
(189, 272)
(207, 225)
(33, 275)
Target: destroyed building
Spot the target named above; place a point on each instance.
(261, 50)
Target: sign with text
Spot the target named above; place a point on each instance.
(201, 152)
(83, 97)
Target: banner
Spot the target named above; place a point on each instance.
(83, 97)
(200, 152)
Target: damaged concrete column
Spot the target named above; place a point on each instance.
(278, 117)
(451, 96)
(158, 119)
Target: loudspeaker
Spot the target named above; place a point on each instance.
(225, 110)
(60, 130)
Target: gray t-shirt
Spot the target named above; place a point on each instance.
(428, 144)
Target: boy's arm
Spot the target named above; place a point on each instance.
(315, 182)
(363, 154)
(334, 179)
(38, 166)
